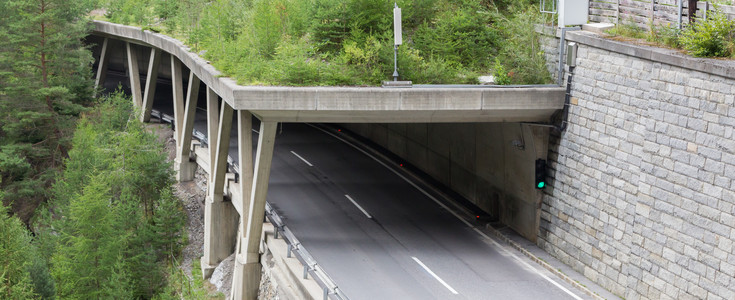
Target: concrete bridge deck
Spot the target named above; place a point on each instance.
(356, 104)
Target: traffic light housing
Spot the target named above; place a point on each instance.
(540, 174)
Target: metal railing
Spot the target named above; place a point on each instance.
(311, 267)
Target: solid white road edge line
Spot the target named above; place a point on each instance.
(358, 206)
(299, 156)
(501, 247)
(434, 275)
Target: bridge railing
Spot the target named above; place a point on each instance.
(331, 290)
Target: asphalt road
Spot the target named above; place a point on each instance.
(377, 235)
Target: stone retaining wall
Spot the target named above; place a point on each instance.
(642, 197)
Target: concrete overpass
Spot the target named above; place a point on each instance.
(240, 222)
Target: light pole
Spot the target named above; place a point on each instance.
(398, 38)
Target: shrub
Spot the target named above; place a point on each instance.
(712, 37)
(665, 35)
(521, 52)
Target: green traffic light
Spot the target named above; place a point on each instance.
(541, 185)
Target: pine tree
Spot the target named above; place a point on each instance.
(15, 250)
(45, 79)
(91, 246)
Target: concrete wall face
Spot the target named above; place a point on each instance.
(478, 161)
(642, 198)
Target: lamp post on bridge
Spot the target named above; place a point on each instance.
(397, 37)
(397, 41)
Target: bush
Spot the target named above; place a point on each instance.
(521, 54)
(710, 38)
(665, 35)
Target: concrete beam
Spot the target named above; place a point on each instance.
(184, 168)
(212, 121)
(178, 97)
(154, 63)
(221, 149)
(245, 156)
(102, 66)
(220, 218)
(134, 74)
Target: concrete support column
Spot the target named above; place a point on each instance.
(185, 168)
(245, 157)
(246, 278)
(220, 218)
(134, 74)
(212, 123)
(178, 97)
(99, 80)
(150, 84)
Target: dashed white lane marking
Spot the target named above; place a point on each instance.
(358, 206)
(301, 158)
(444, 283)
(524, 263)
(256, 131)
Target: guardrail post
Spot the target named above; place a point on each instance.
(306, 272)
(288, 251)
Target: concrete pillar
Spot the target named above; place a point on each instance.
(220, 218)
(185, 168)
(102, 66)
(245, 158)
(150, 84)
(246, 278)
(212, 123)
(134, 74)
(178, 97)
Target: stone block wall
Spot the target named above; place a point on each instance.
(642, 198)
(550, 45)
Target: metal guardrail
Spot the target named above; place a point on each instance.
(331, 290)
(311, 267)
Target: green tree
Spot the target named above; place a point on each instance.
(44, 83)
(15, 251)
(92, 242)
(125, 222)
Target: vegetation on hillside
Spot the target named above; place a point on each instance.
(121, 222)
(337, 42)
(44, 85)
(107, 225)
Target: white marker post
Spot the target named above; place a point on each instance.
(398, 37)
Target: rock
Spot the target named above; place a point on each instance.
(486, 79)
(222, 276)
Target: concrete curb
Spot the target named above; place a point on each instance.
(542, 263)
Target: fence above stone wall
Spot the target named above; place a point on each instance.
(643, 13)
